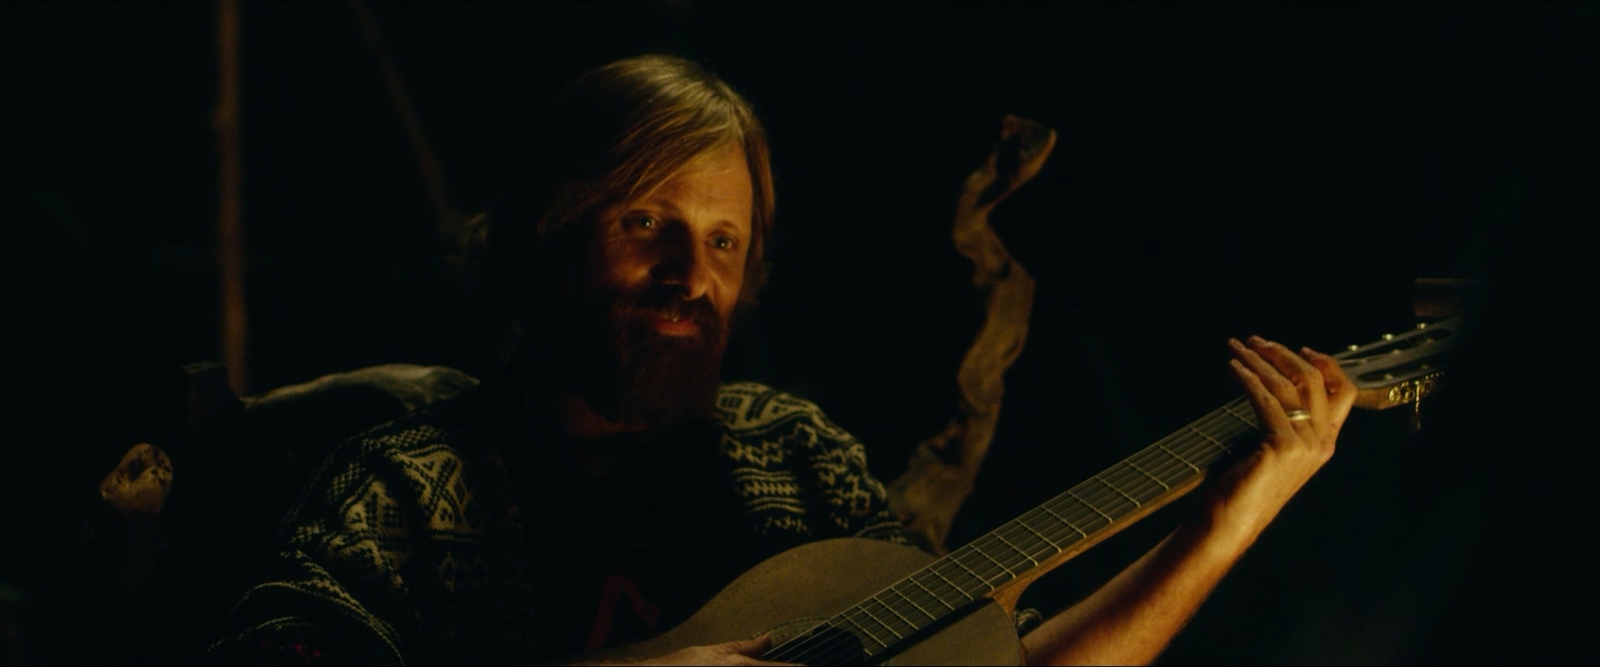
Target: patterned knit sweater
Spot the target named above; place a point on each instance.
(449, 536)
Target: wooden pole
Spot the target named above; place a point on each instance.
(230, 232)
(427, 163)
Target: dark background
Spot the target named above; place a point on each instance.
(1280, 169)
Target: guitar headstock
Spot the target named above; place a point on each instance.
(1403, 368)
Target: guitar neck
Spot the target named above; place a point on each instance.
(1020, 550)
(1396, 370)
(1006, 559)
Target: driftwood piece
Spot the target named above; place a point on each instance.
(944, 467)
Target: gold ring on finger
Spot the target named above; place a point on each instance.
(1298, 415)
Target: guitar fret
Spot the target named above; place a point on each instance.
(1063, 520)
(930, 592)
(1153, 477)
(914, 604)
(992, 560)
(1180, 458)
(1041, 536)
(1247, 422)
(1092, 507)
(970, 571)
(952, 584)
(879, 621)
(1131, 499)
(1207, 436)
(865, 629)
(1014, 548)
(885, 604)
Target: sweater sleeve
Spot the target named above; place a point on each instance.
(799, 474)
(336, 590)
(857, 501)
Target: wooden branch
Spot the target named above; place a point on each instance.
(400, 98)
(944, 467)
(230, 195)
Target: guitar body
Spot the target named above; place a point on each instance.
(789, 593)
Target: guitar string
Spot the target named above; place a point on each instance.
(828, 656)
(1125, 481)
(1120, 480)
(1165, 460)
(1158, 457)
(1129, 485)
(1024, 549)
(823, 654)
(1206, 443)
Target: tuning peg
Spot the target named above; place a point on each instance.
(1415, 423)
(1388, 336)
(1353, 348)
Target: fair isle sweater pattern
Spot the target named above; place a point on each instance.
(408, 544)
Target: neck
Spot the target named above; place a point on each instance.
(564, 411)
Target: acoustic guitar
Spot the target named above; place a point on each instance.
(864, 601)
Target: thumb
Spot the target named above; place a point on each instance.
(752, 647)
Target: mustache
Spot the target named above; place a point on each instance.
(669, 303)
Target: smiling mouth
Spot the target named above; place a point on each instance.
(675, 324)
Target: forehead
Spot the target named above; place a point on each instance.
(716, 184)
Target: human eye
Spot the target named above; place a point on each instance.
(724, 242)
(642, 221)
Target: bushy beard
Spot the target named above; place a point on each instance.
(600, 343)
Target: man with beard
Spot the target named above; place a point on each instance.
(605, 484)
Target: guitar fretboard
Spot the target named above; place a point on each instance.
(1021, 545)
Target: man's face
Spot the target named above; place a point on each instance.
(665, 271)
(690, 238)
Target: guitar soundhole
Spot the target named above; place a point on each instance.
(815, 644)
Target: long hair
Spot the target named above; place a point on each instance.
(614, 133)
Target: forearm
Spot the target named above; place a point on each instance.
(1133, 617)
(1300, 404)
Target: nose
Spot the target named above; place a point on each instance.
(682, 264)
